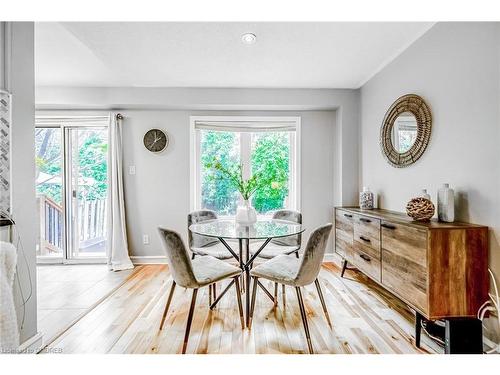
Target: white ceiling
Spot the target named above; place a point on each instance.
(176, 54)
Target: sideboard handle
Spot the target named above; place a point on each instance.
(347, 215)
(365, 220)
(364, 239)
(364, 257)
(388, 226)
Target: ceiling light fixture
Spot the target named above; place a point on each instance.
(249, 38)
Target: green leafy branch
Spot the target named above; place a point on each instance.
(234, 174)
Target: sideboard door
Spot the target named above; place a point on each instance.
(404, 263)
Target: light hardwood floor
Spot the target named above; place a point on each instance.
(67, 292)
(365, 319)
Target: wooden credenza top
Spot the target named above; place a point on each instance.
(401, 218)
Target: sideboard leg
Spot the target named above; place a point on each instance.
(418, 328)
(344, 267)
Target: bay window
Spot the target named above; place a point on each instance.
(266, 145)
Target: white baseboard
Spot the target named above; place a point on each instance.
(33, 345)
(329, 258)
(149, 259)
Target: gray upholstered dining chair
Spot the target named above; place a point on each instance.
(298, 273)
(203, 245)
(195, 274)
(279, 246)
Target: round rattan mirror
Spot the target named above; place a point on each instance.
(406, 130)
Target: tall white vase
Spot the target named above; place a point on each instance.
(246, 214)
(446, 204)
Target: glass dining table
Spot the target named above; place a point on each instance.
(263, 231)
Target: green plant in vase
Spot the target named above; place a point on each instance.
(233, 173)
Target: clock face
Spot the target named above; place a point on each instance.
(155, 140)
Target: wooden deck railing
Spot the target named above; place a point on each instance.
(91, 224)
(51, 229)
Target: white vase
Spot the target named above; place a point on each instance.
(246, 214)
(425, 195)
(446, 204)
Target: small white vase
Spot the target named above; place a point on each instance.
(246, 214)
(425, 195)
(446, 204)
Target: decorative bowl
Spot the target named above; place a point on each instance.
(420, 209)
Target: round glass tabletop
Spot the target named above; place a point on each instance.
(262, 229)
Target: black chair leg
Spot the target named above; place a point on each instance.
(344, 267)
(214, 290)
(275, 294)
(193, 255)
(323, 304)
(210, 295)
(190, 320)
(169, 300)
(418, 328)
(252, 307)
(297, 254)
(238, 297)
(304, 319)
(283, 293)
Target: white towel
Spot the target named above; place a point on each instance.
(9, 333)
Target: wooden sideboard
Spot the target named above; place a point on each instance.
(438, 269)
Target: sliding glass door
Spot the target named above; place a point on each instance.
(72, 167)
(87, 186)
(49, 192)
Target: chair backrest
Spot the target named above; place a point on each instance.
(288, 215)
(313, 255)
(178, 258)
(196, 240)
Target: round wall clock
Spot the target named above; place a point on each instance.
(155, 140)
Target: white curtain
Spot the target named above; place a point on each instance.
(117, 245)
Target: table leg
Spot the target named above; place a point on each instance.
(247, 274)
(240, 244)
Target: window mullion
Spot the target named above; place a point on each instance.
(246, 154)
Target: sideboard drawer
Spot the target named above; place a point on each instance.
(367, 235)
(367, 227)
(343, 232)
(344, 221)
(365, 263)
(404, 263)
(343, 242)
(367, 245)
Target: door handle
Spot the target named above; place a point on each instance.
(364, 257)
(364, 239)
(348, 215)
(365, 220)
(388, 226)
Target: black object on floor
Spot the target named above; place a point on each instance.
(463, 336)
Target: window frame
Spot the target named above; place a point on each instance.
(245, 153)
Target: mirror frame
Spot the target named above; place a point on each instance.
(418, 107)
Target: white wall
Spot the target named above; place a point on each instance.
(456, 68)
(19, 80)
